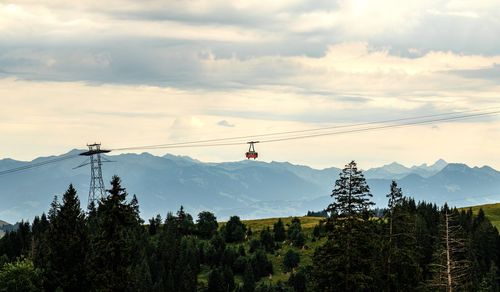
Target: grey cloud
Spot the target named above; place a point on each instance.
(137, 62)
(173, 62)
(128, 114)
(349, 99)
(360, 114)
(222, 14)
(492, 74)
(446, 33)
(225, 123)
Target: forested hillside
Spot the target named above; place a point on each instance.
(410, 247)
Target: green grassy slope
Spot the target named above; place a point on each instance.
(492, 212)
(276, 258)
(260, 224)
(306, 254)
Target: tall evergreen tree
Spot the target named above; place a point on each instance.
(188, 265)
(115, 248)
(279, 231)
(154, 225)
(352, 195)
(67, 245)
(185, 224)
(234, 230)
(291, 260)
(40, 244)
(295, 234)
(402, 270)
(261, 265)
(267, 240)
(178, 253)
(346, 262)
(206, 225)
(17, 243)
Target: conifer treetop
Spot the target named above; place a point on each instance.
(351, 193)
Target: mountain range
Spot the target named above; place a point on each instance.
(250, 189)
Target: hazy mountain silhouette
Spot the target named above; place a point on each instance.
(398, 171)
(4, 227)
(250, 189)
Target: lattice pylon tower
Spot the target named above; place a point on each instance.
(96, 190)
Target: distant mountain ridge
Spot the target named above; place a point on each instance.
(398, 171)
(250, 189)
(4, 227)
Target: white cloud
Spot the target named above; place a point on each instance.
(58, 116)
(177, 69)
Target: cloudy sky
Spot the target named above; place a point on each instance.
(149, 72)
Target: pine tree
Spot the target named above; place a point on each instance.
(402, 271)
(115, 241)
(67, 245)
(291, 260)
(185, 224)
(188, 265)
(178, 253)
(484, 242)
(217, 247)
(206, 225)
(295, 234)
(248, 279)
(234, 230)
(352, 195)
(15, 244)
(261, 265)
(279, 231)
(154, 225)
(347, 260)
(40, 247)
(267, 240)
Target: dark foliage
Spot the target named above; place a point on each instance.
(322, 213)
(279, 231)
(291, 260)
(234, 230)
(267, 240)
(295, 234)
(206, 225)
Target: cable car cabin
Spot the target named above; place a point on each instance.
(251, 151)
(252, 154)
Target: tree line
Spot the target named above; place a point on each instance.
(409, 246)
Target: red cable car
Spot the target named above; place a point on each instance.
(251, 150)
